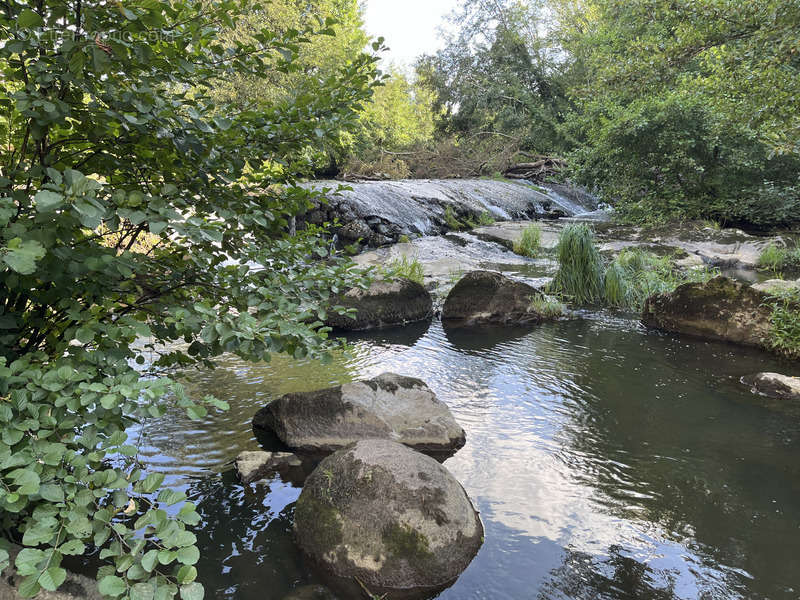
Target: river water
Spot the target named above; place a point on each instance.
(606, 461)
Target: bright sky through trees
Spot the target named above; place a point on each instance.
(409, 26)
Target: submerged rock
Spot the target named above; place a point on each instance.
(255, 465)
(488, 297)
(389, 406)
(721, 309)
(310, 592)
(384, 304)
(775, 385)
(395, 519)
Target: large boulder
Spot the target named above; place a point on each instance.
(720, 309)
(389, 406)
(775, 385)
(489, 297)
(386, 303)
(389, 517)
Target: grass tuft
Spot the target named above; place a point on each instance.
(784, 333)
(530, 242)
(485, 218)
(580, 267)
(407, 268)
(548, 307)
(774, 258)
(451, 220)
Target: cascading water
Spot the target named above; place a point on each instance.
(419, 205)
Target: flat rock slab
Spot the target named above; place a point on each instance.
(385, 304)
(393, 518)
(775, 385)
(253, 465)
(389, 406)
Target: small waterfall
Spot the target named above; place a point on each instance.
(419, 205)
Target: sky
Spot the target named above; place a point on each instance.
(409, 26)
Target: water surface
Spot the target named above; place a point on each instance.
(606, 462)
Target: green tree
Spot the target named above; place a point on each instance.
(133, 240)
(688, 108)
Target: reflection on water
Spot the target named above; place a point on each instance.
(606, 461)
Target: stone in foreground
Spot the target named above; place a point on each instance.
(257, 464)
(488, 297)
(720, 309)
(394, 519)
(385, 304)
(775, 385)
(389, 406)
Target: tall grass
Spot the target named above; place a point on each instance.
(636, 274)
(407, 268)
(580, 267)
(530, 242)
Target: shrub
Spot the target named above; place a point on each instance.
(580, 267)
(528, 245)
(127, 214)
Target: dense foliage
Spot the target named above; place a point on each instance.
(670, 109)
(143, 223)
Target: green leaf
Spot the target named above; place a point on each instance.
(47, 201)
(52, 578)
(72, 548)
(192, 591)
(186, 574)
(188, 555)
(143, 591)
(23, 257)
(149, 560)
(51, 492)
(152, 482)
(28, 19)
(111, 585)
(26, 479)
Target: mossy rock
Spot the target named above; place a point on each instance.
(393, 519)
(720, 309)
(389, 406)
(486, 297)
(384, 304)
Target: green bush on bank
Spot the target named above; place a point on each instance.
(129, 222)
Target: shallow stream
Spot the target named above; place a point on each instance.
(606, 461)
